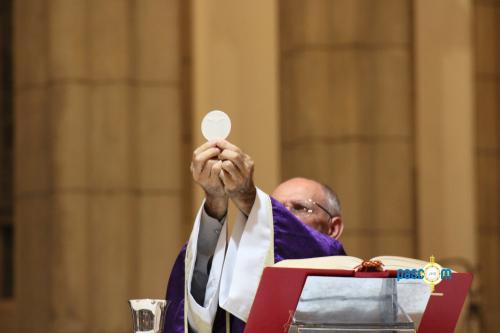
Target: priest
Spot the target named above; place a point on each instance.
(215, 277)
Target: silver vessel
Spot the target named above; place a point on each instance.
(148, 315)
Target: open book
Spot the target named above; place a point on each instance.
(349, 263)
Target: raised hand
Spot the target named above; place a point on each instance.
(237, 175)
(206, 169)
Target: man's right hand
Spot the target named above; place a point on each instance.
(206, 168)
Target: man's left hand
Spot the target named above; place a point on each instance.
(237, 175)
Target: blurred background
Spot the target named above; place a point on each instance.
(393, 103)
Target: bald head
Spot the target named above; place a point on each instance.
(303, 188)
(313, 203)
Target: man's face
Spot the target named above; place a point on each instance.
(298, 195)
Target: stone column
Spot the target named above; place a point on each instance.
(346, 110)
(445, 136)
(487, 155)
(234, 54)
(98, 159)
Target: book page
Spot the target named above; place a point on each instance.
(394, 262)
(349, 263)
(333, 262)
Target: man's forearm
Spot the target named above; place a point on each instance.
(210, 229)
(216, 206)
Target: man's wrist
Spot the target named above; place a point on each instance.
(244, 200)
(216, 205)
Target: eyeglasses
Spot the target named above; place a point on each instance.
(305, 207)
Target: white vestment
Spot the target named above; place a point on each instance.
(236, 271)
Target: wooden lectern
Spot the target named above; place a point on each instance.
(280, 288)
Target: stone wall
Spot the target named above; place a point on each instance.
(98, 185)
(347, 114)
